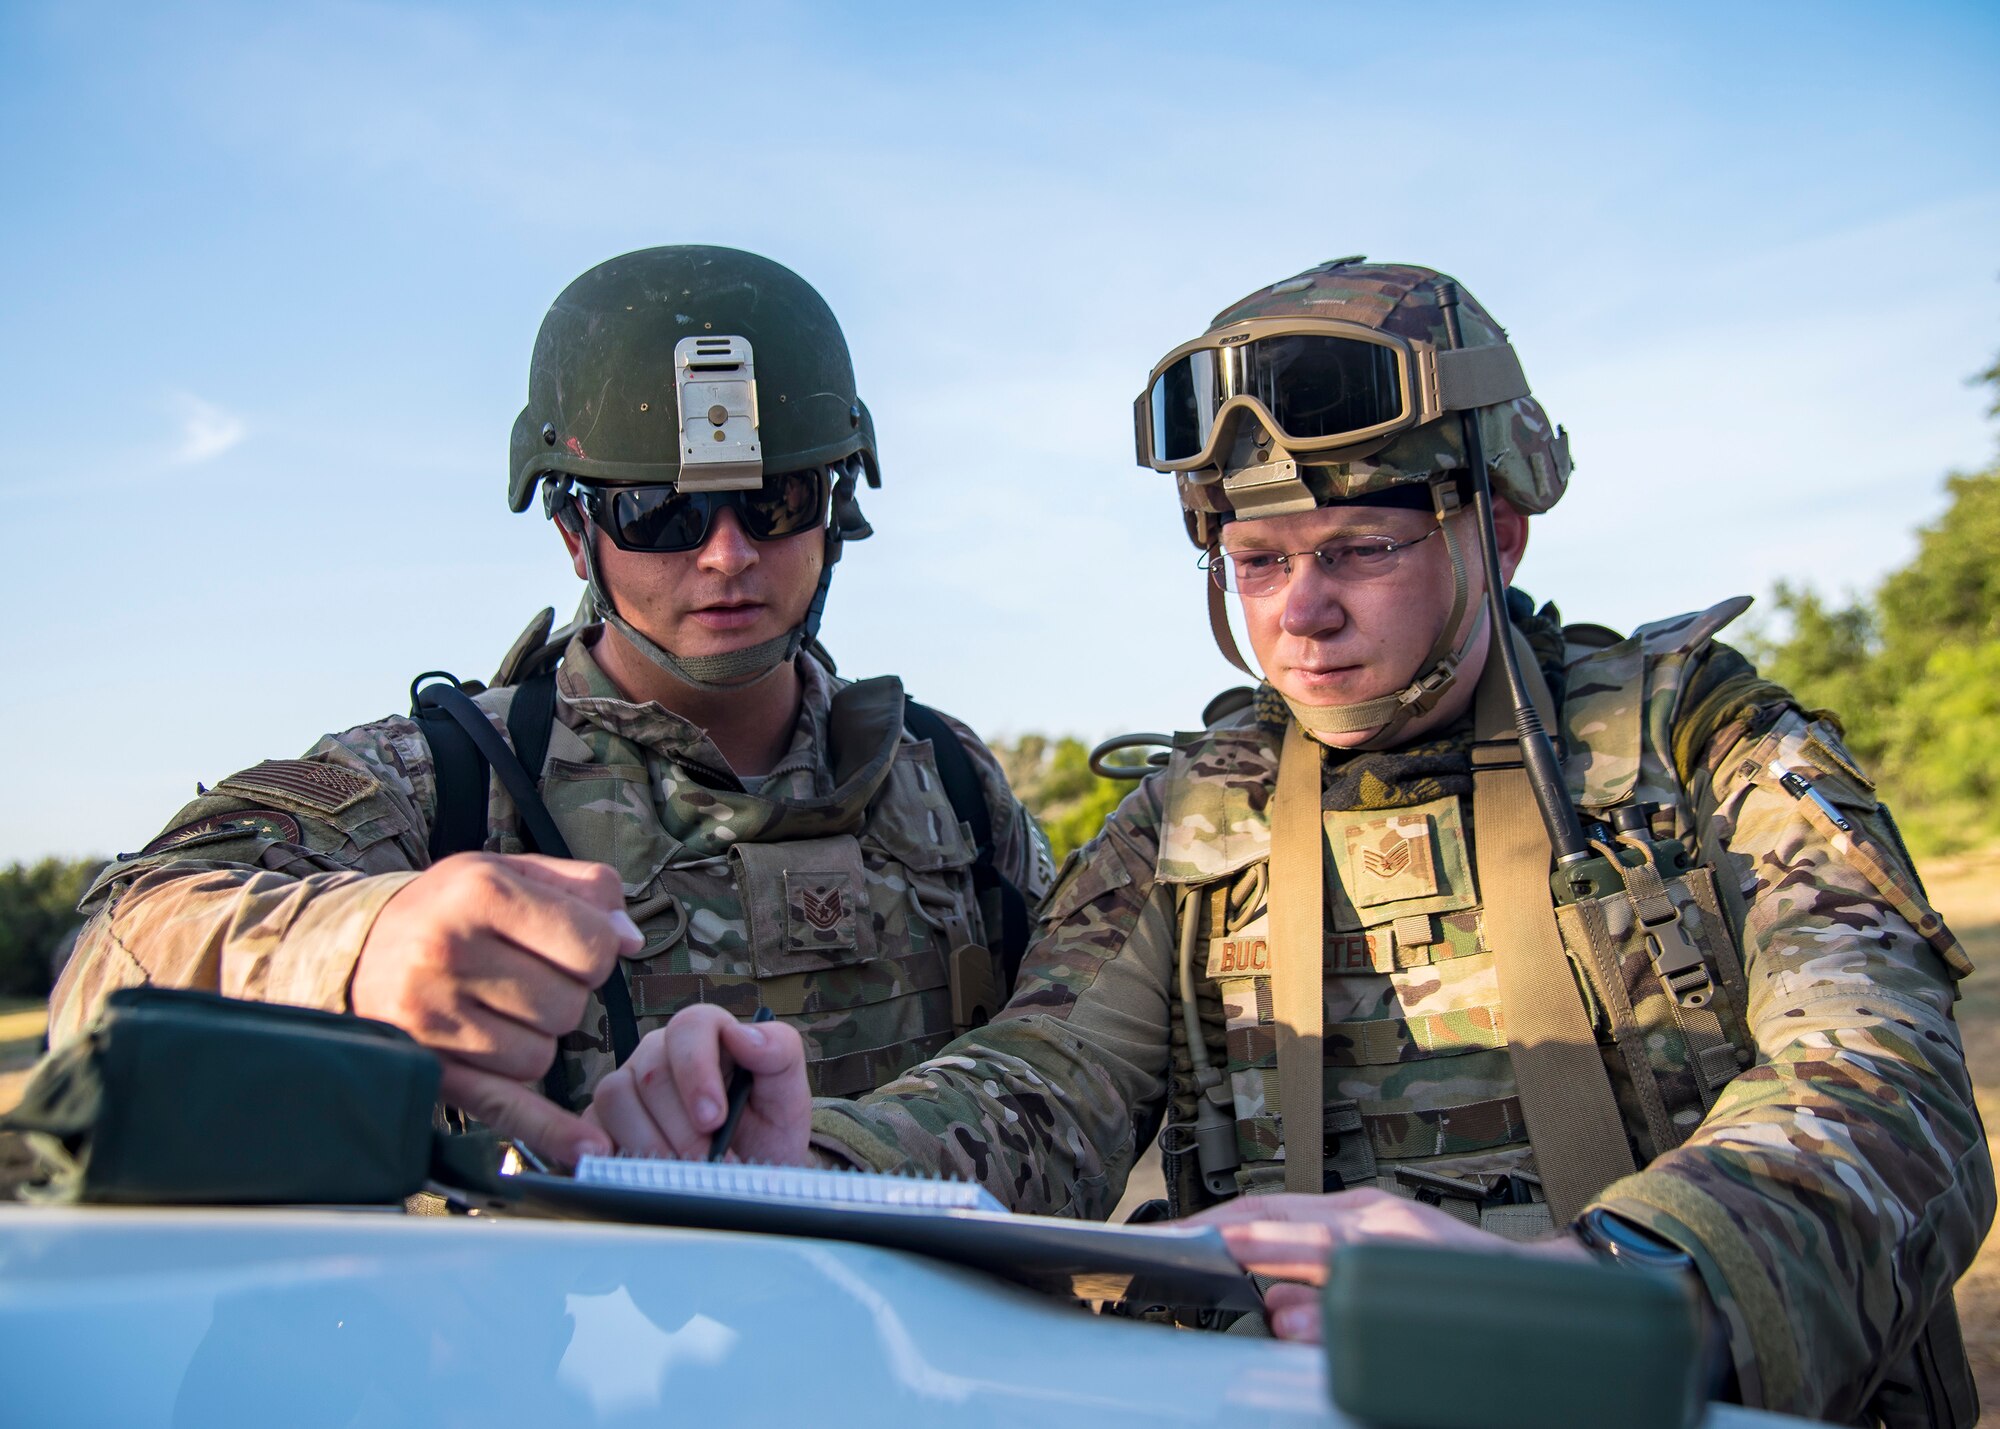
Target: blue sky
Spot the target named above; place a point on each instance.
(270, 275)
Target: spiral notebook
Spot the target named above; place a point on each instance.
(792, 1184)
(954, 1221)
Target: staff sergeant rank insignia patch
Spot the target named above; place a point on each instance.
(1391, 859)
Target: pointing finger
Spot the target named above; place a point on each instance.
(1281, 1249)
(512, 1110)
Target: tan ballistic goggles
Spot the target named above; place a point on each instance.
(1318, 384)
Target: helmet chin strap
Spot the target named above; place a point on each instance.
(733, 670)
(1389, 714)
(742, 669)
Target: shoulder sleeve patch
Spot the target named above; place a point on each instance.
(309, 784)
(258, 823)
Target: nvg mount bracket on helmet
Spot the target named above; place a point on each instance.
(715, 389)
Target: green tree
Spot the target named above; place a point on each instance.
(1913, 669)
(1827, 659)
(1943, 764)
(1949, 594)
(37, 912)
(1053, 778)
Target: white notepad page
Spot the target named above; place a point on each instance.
(785, 1183)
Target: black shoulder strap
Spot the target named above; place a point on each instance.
(968, 801)
(530, 718)
(954, 766)
(458, 824)
(464, 746)
(538, 827)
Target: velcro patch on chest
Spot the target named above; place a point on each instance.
(1244, 955)
(1373, 951)
(1248, 953)
(820, 910)
(1392, 859)
(301, 783)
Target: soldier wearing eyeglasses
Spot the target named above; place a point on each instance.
(1464, 925)
(743, 829)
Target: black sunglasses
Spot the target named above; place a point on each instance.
(663, 518)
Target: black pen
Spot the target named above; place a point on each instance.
(739, 1096)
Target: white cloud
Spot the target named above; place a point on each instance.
(206, 430)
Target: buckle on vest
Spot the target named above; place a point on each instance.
(1678, 962)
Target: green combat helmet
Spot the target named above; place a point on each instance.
(1341, 386)
(709, 369)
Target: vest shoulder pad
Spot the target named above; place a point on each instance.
(1215, 811)
(1619, 704)
(539, 646)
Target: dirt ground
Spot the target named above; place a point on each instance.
(1966, 890)
(21, 1026)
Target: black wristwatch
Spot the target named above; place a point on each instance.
(1617, 1240)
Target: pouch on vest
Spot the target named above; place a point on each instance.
(1669, 986)
(181, 1097)
(807, 905)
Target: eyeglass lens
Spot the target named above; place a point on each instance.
(1262, 572)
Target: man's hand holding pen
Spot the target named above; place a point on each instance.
(670, 1100)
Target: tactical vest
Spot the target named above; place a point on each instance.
(1419, 1091)
(848, 915)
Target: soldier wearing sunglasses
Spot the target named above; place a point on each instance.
(713, 818)
(1378, 960)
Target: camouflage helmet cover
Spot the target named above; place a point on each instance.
(1527, 455)
(601, 396)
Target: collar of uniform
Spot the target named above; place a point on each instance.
(586, 697)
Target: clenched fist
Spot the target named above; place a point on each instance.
(487, 959)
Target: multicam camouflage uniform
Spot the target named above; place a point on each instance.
(837, 906)
(1815, 1147)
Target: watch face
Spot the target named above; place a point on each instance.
(1620, 1240)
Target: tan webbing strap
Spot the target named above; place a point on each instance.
(1218, 623)
(1681, 969)
(1566, 1098)
(1298, 957)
